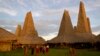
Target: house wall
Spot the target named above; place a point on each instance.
(5, 46)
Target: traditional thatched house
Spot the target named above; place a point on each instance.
(83, 29)
(66, 33)
(7, 40)
(31, 40)
(28, 34)
(81, 34)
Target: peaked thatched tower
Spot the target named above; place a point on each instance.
(66, 27)
(83, 25)
(83, 29)
(28, 27)
(90, 31)
(66, 31)
(18, 30)
(29, 34)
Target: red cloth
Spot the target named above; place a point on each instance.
(47, 49)
(37, 50)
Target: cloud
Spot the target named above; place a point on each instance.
(50, 36)
(96, 28)
(37, 14)
(8, 24)
(8, 11)
(22, 3)
(96, 33)
(41, 3)
(10, 28)
(45, 28)
(93, 4)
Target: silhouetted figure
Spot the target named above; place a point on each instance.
(43, 49)
(32, 51)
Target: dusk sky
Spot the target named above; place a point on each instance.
(47, 14)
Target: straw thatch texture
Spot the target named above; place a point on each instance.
(63, 39)
(6, 40)
(66, 25)
(6, 36)
(18, 31)
(5, 46)
(86, 37)
(97, 38)
(83, 24)
(29, 34)
(66, 32)
(28, 27)
(73, 38)
(30, 40)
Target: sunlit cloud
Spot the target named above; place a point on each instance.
(96, 33)
(9, 30)
(8, 11)
(50, 36)
(37, 14)
(22, 3)
(41, 3)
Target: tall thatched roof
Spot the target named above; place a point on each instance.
(29, 28)
(31, 40)
(63, 39)
(65, 34)
(83, 29)
(6, 36)
(75, 38)
(18, 30)
(89, 26)
(29, 34)
(66, 25)
(80, 33)
(86, 37)
(83, 23)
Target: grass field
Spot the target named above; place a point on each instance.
(52, 52)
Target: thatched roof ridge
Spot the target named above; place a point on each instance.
(6, 35)
(97, 38)
(31, 40)
(75, 38)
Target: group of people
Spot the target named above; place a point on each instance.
(40, 49)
